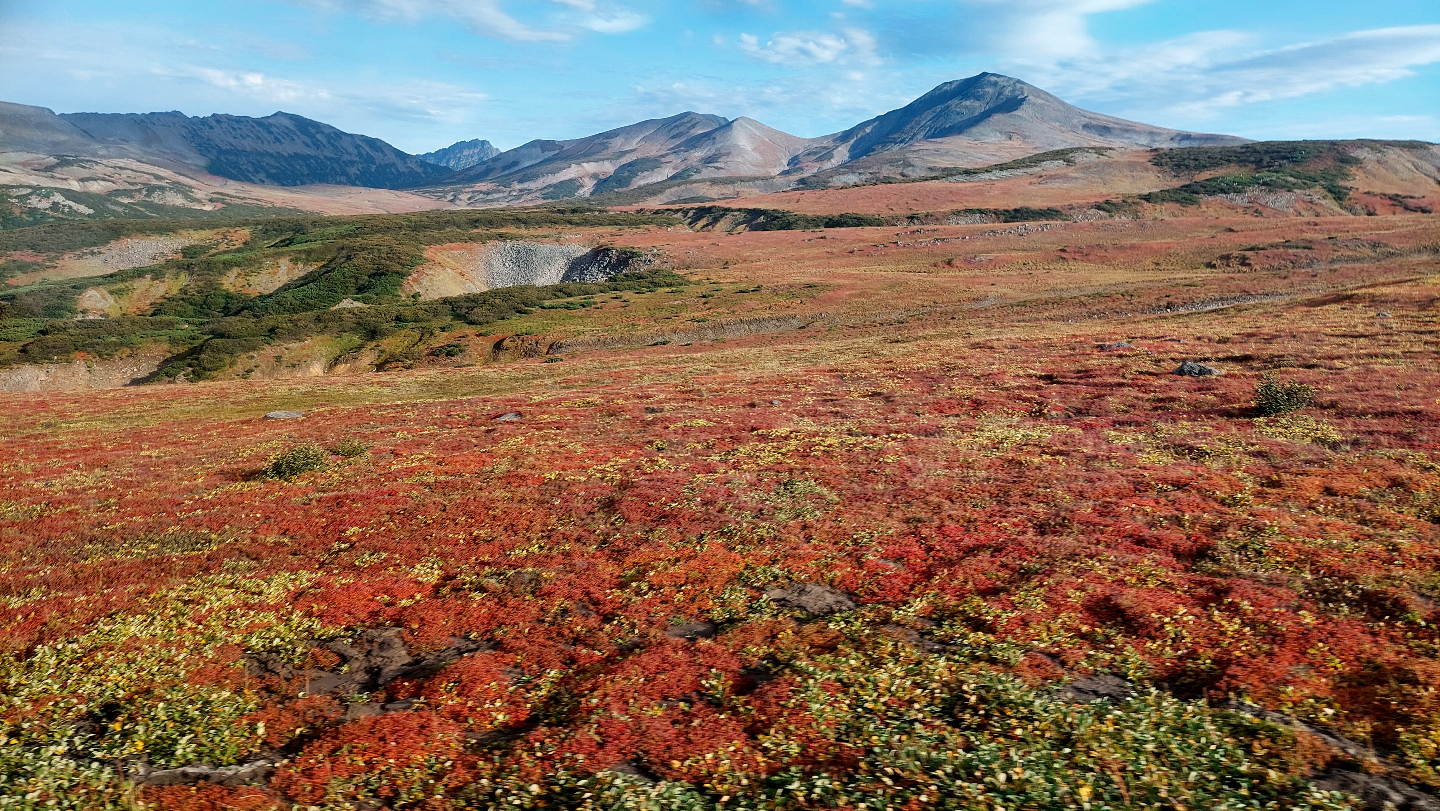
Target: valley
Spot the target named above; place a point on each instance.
(912, 467)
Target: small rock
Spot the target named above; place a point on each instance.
(284, 415)
(812, 598)
(774, 402)
(629, 768)
(509, 416)
(1114, 347)
(1100, 687)
(1383, 314)
(1192, 369)
(692, 630)
(1378, 792)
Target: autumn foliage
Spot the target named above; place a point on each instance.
(583, 599)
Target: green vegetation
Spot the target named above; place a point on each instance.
(296, 462)
(22, 207)
(769, 219)
(349, 448)
(363, 259)
(1278, 165)
(626, 174)
(1273, 398)
(1021, 214)
(223, 339)
(563, 190)
(62, 339)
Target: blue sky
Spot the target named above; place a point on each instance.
(422, 74)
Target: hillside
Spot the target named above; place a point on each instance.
(879, 513)
(984, 118)
(977, 121)
(279, 149)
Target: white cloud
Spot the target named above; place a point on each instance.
(1039, 30)
(1198, 75)
(618, 22)
(489, 17)
(808, 48)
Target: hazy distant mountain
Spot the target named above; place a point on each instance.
(972, 122)
(606, 152)
(461, 155)
(36, 129)
(279, 149)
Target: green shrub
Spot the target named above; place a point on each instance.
(296, 462)
(1273, 398)
(349, 448)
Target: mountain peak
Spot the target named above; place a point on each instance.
(462, 154)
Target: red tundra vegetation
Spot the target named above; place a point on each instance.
(963, 540)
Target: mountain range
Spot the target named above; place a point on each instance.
(977, 121)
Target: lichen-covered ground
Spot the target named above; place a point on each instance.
(962, 541)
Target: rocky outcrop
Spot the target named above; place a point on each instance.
(461, 155)
(458, 269)
(83, 375)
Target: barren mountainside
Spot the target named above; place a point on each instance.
(985, 119)
(280, 149)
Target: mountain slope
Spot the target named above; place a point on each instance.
(545, 162)
(983, 118)
(37, 129)
(461, 155)
(280, 149)
(978, 121)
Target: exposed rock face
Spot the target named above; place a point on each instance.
(461, 155)
(455, 270)
(80, 375)
(280, 149)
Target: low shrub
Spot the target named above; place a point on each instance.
(296, 462)
(1273, 398)
(349, 448)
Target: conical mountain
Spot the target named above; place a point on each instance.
(995, 109)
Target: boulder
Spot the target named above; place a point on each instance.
(1098, 687)
(812, 598)
(284, 415)
(1192, 369)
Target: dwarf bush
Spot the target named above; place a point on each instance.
(1273, 397)
(296, 462)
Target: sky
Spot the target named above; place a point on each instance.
(422, 74)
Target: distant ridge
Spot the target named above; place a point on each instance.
(280, 149)
(977, 121)
(982, 120)
(461, 155)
